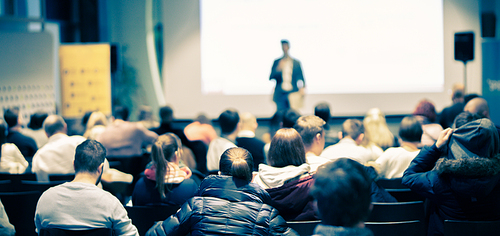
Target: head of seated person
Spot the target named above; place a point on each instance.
(354, 129)
(238, 163)
(121, 113)
(228, 121)
(410, 130)
(287, 148)
(342, 190)
(290, 117)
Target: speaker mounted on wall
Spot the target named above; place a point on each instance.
(464, 46)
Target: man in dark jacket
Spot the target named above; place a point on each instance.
(465, 183)
(225, 205)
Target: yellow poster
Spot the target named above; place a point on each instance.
(85, 79)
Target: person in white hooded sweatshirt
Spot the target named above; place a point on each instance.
(287, 176)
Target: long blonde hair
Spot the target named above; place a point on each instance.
(162, 153)
(376, 130)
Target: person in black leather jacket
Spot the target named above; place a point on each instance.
(226, 204)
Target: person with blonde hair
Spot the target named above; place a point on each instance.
(376, 130)
(227, 203)
(165, 183)
(95, 125)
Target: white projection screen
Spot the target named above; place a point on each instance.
(385, 53)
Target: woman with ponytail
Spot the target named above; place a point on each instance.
(226, 204)
(165, 183)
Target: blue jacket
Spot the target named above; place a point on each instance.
(465, 183)
(225, 206)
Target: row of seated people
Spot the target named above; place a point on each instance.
(271, 165)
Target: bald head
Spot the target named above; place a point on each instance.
(54, 124)
(478, 106)
(248, 121)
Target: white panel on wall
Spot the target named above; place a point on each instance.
(27, 72)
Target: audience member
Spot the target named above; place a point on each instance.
(464, 184)
(229, 122)
(311, 130)
(200, 129)
(394, 161)
(378, 137)
(57, 156)
(290, 117)
(26, 145)
(35, 130)
(80, 204)
(351, 136)
(146, 117)
(449, 113)
(96, 125)
(287, 177)
(479, 106)
(197, 147)
(123, 138)
(426, 114)
(164, 182)
(246, 139)
(342, 193)
(322, 110)
(226, 204)
(11, 159)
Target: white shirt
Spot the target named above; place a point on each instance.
(56, 157)
(348, 148)
(394, 161)
(80, 206)
(286, 74)
(315, 161)
(215, 150)
(12, 160)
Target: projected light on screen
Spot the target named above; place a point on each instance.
(355, 46)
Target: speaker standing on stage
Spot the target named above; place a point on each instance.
(290, 84)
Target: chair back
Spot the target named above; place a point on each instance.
(303, 228)
(20, 208)
(33, 185)
(144, 217)
(391, 183)
(397, 211)
(61, 177)
(66, 232)
(407, 228)
(6, 186)
(459, 228)
(16, 179)
(405, 195)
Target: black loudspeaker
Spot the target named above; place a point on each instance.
(464, 46)
(115, 58)
(488, 24)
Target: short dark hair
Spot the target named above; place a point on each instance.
(3, 133)
(237, 162)
(466, 117)
(11, 116)
(53, 124)
(86, 117)
(88, 156)
(286, 149)
(342, 190)
(352, 128)
(166, 114)
(285, 41)
(121, 112)
(290, 117)
(410, 129)
(308, 127)
(322, 110)
(228, 121)
(36, 120)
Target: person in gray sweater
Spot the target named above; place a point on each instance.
(80, 204)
